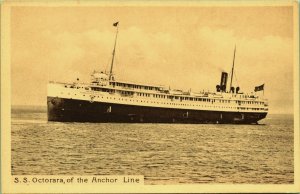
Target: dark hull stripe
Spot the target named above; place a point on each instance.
(71, 110)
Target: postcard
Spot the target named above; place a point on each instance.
(149, 96)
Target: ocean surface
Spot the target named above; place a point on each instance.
(163, 153)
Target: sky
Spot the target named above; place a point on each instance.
(184, 47)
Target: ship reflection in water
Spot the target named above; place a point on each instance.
(163, 153)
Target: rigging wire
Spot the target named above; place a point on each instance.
(116, 63)
(236, 80)
(107, 64)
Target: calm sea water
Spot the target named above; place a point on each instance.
(163, 153)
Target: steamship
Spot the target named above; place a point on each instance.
(106, 99)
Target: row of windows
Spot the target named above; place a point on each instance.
(173, 97)
(143, 94)
(176, 104)
(134, 86)
(103, 90)
(197, 99)
(250, 102)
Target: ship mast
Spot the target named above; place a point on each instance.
(113, 54)
(232, 70)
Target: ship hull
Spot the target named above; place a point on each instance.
(72, 110)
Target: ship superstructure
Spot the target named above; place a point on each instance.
(106, 99)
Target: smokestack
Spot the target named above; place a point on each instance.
(223, 83)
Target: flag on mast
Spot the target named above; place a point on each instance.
(259, 88)
(116, 24)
